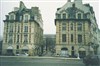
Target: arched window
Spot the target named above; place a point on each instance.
(12, 16)
(79, 16)
(64, 16)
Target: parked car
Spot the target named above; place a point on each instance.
(92, 60)
(22, 54)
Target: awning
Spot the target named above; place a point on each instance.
(10, 47)
(81, 49)
(25, 48)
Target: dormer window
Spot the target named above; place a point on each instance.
(26, 18)
(64, 16)
(79, 16)
(58, 16)
(12, 16)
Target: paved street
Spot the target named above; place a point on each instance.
(39, 61)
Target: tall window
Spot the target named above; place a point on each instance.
(63, 37)
(17, 46)
(25, 28)
(25, 38)
(79, 38)
(63, 26)
(11, 28)
(10, 38)
(64, 16)
(72, 47)
(18, 28)
(79, 16)
(71, 26)
(71, 37)
(17, 38)
(69, 16)
(26, 18)
(79, 28)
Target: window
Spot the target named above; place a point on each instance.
(58, 16)
(18, 28)
(63, 37)
(69, 16)
(17, 38)
(11, 17)
(71, 37)
(26, 18)
(10, 37)
(79, 16)
(64, 16)
(17, 46)
(72, 47)
(25, 38)
(71, 26)
(85, 16)
(79, 38)
(11, 28)
(63, 26)
(79, 28)
(25, 28)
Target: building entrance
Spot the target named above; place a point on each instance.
(64, 52)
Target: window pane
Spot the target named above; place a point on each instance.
(63, 37)
(63, 26)
(58, 16)
(79, 38)
(64, 16)
(17, 38)
(79, 16)
(26, 29)
(79, 28)
(26, 18)
(11, 17)
(71, 37)
(71, 26)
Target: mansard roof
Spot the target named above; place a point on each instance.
(86, 8)
(22, 10)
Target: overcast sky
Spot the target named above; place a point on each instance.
(47, 8)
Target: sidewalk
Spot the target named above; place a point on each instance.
(44, 57)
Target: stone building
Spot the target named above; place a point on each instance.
(23, 31)
(76, 29)
(99, 41)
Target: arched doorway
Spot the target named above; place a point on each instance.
(25, 49)
(10, 51)
(82, 52)
(64, 52)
